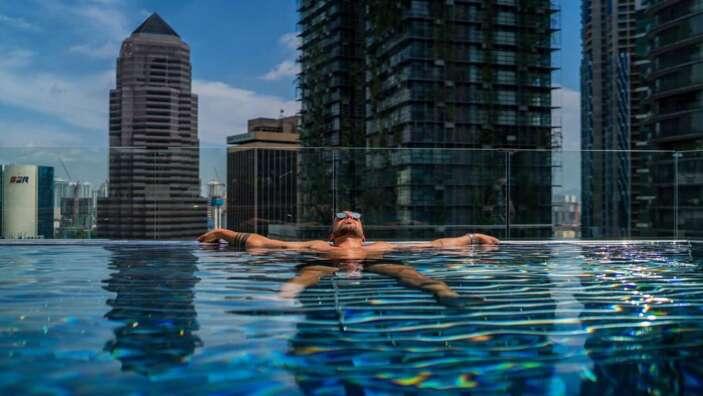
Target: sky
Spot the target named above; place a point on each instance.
(58, 64)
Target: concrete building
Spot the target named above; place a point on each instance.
(26, 202)
(262, 175)
(427, 75)
(612, 92)
(154, 156)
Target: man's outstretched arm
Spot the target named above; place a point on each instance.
(468, 239)
(442, 243)
(245, 240)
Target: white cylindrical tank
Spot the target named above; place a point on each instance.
(20, 217)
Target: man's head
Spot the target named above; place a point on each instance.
(347, 224)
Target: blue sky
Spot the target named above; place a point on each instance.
(59, 58)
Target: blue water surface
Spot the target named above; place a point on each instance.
(177, 318)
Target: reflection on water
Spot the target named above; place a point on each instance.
(154, 306)
(562, 318)
(375, 335)
(647, 349)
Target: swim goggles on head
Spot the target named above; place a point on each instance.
(343, 215)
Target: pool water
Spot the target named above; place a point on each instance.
(543, 318)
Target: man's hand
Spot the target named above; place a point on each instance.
(214, 236)
(483, 239)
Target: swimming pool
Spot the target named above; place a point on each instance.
(544, 318)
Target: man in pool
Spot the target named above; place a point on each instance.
(348, 249)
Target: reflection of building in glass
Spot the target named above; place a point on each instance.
(154, 181)
(26, 201)
(611, 99)
(566, 215)
(674, 46)
(261, 175)
(435, 74)
(154, 306)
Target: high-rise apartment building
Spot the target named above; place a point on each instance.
(674, 122)
(612, 91)
(154, 158)
(428, 75)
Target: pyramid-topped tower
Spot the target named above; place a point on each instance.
(156, 25)
(154, 155)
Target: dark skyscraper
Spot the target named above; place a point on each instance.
(674, 44)
(427, 75)
(612, 93)
(154, 181)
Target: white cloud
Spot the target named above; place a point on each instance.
(17, 23)
(106, 21)
(81, 101)
(32, 134)
(101, 26)
(224, 110)
(287, 68)
(16, 58)
(290, 41)
(107, 50)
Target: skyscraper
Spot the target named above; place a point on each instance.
(612, 92)
(674, 44)
(154, 158)
(435, 75)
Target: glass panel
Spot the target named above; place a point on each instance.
(280, 192)
(566, 194)
(422, 194)
(403, 194)
(51, 192)
(128, 210)
(690, 195)
(652, 189)
(530, 202)
(175, 194)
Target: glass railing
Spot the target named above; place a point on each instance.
(403, 194)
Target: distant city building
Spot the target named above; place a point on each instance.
(566, 215)
(26, 202)
(61, 190)
(77, 218)
(262, 175)
(612, 91)
(674, 121)
(426, 75)
(154, 157)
